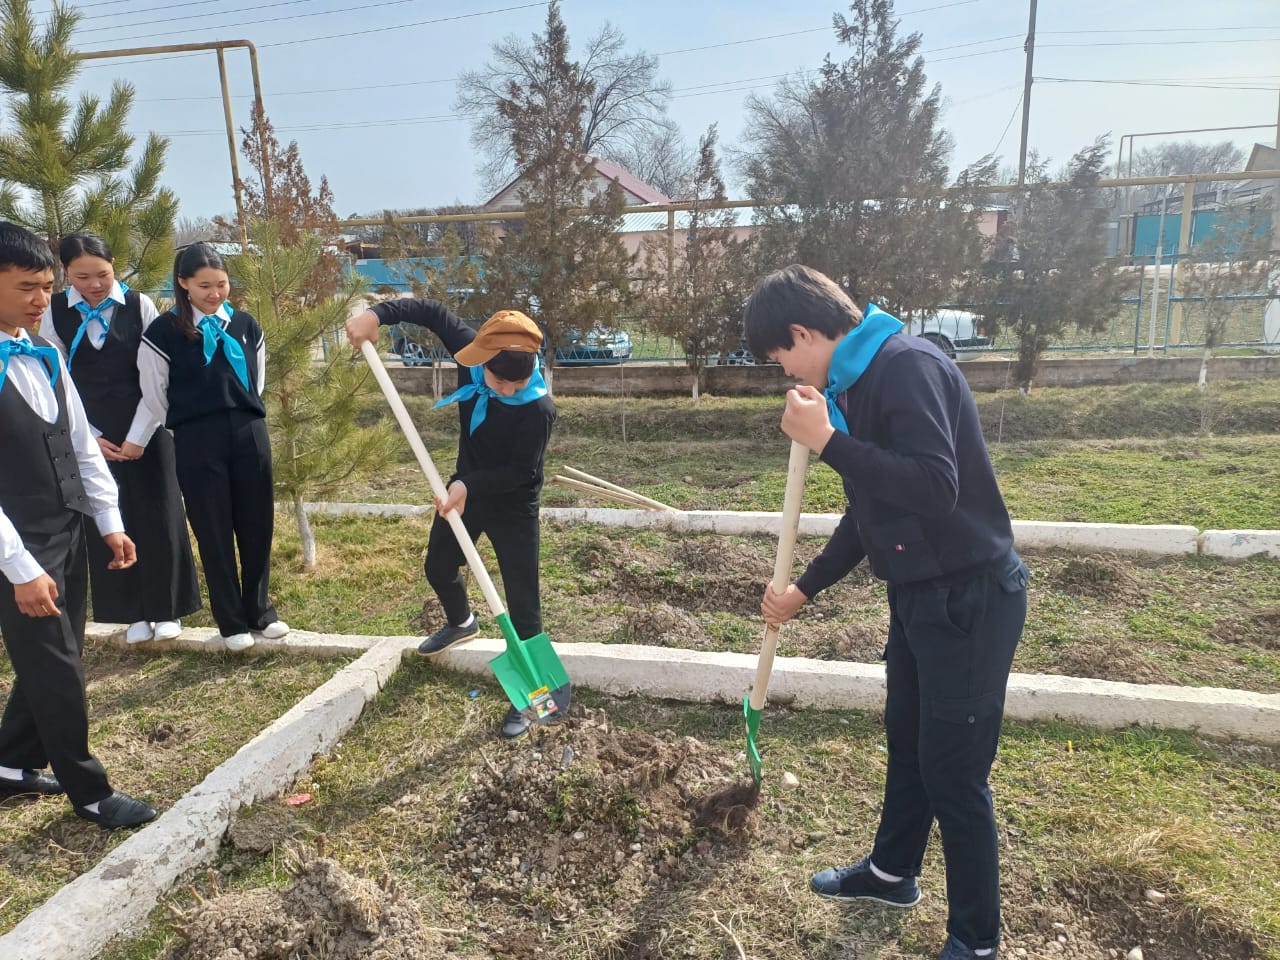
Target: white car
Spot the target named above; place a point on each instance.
(954, 332)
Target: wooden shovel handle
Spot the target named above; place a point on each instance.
(797, 466)
(411, 434)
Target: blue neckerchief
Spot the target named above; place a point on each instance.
(93, 313)
(48, 356)
(213, 333)
(535, 388)
(852, 356)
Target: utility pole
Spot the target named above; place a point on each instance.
(1030, 48)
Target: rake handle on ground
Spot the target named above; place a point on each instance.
(596, 481)
(797, 465)
(496, 606)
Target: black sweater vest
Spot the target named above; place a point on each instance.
(198, 390)
(106, 379)
(40, 481)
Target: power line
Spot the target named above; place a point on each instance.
(996, 148)
(173, 6)
(1155, 83)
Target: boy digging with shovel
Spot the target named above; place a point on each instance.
(895, 418)
(505, 416)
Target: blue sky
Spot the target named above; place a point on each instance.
(372, 105)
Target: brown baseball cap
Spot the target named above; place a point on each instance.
(505, 330)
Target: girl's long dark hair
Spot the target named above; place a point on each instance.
(186, 265)
(76, 245)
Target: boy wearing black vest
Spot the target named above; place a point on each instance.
(895, 418)
(54, 482)
(505, 416)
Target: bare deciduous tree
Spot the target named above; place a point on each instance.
(624, 107)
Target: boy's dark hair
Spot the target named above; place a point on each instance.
(511, 365)
(81, 244)
(22, 249)
(186, 265)
(800, 295)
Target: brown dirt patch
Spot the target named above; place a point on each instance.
(857, 642)
(588, 815)
(262, 828)
(326, 912)
(1099, 659)
(695, 573)
(1259, 628)
(1109, 916)
(1103, 577)
(663, 625)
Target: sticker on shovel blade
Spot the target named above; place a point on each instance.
(542, 703)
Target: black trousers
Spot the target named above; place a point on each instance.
(224, 470)
(46, 721)
(515, 541)
(950, 650)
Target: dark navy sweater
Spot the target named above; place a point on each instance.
(923, 499)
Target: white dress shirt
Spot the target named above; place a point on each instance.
(30, 378)
(96, 337)
(153, 373)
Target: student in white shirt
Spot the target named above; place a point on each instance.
(55, 479)
(97, 324)
(202, 367)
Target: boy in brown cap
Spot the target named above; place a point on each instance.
(505, 416)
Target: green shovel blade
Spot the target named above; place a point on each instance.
(752, 718)
(532, 676)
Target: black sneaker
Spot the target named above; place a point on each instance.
(33, 782)
(514, 724)
(955, 950)
(859, 883)
(446, 637)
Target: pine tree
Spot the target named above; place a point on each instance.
(695, 289)
(572, 273)
(313, 405)
(1049, 270)
(861, 161)
(65, 167)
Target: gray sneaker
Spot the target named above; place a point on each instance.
(446, 637)
(859, 883)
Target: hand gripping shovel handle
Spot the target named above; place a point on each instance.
(753, 705)
(797, 466)
(496, 606)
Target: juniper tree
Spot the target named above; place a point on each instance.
(313, 404)
(860, 160)
(66, 167)
(695, 288)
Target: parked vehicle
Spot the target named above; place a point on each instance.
(954, 332)
(593, 348)
(412, 352)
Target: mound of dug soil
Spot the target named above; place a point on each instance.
(1257, 627)
(1101, 577)
(586, 815)
(326, 912)
(662, 625)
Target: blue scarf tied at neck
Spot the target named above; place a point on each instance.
(535, 388)
(214, 333)
(91, 314)
(852, 356)
(48, 356)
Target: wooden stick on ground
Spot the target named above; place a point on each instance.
(605, 494)
(653, 504)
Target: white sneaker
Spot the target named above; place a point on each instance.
(237, 642)
(168, 629)
(138, 632)
(275, 630)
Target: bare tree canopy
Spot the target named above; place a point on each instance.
(1182, 156)
(624, 114)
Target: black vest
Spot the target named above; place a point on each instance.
(40, 481)
(106, 379)
(196, 389)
